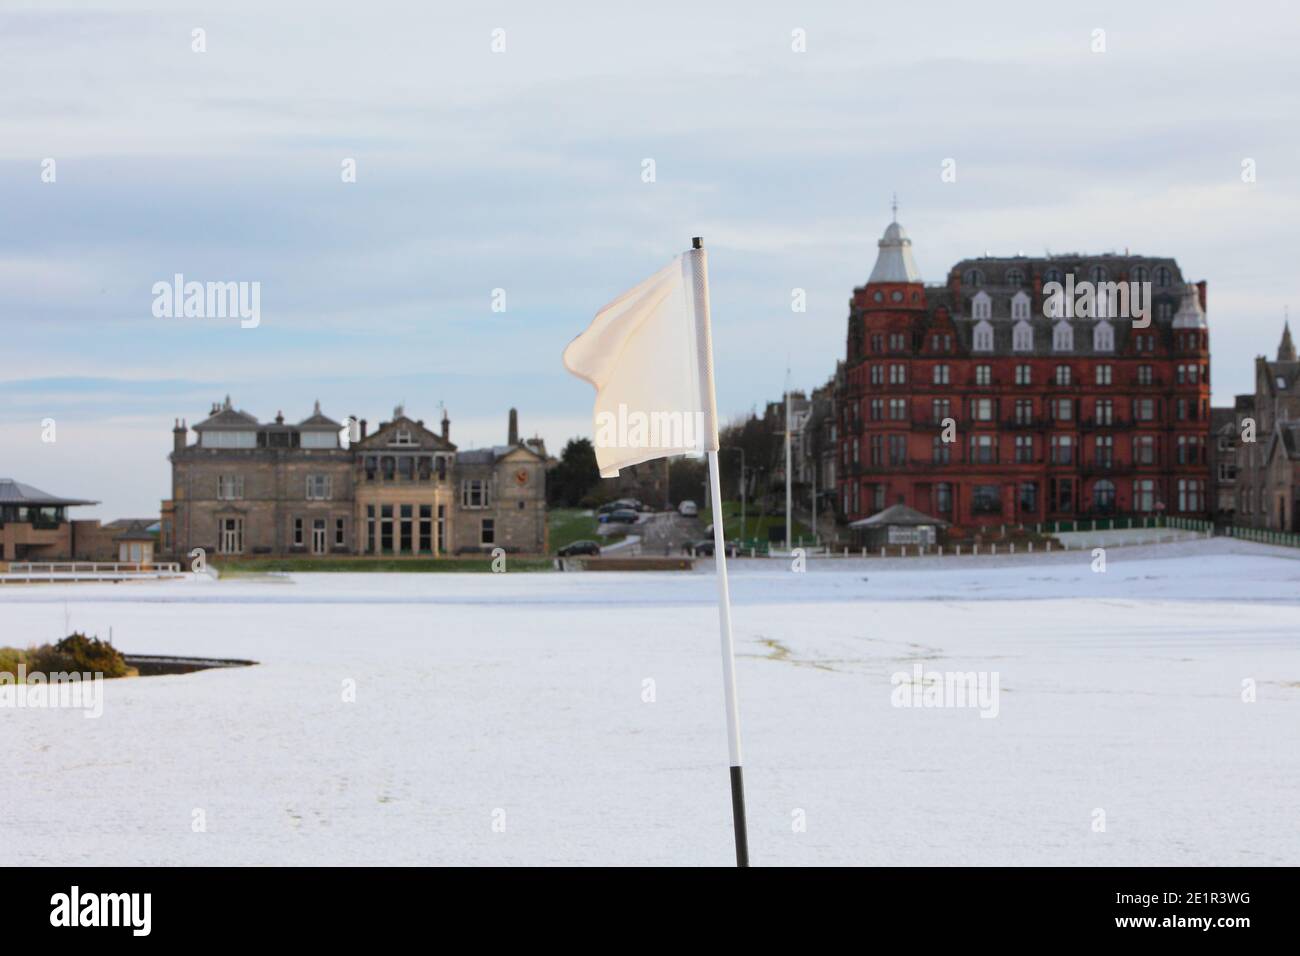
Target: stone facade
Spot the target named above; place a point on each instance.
(272, 489)
(1268, 468)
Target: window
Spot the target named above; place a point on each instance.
(1104, 374)
(1103, 337)
(1022, 337)
(897, 374)
(940, 451)
(225, 439)
(1062, 449)
(1062, 375)
(898, 409)
(318, 487)
(1029, 496)
(983, 374)
(877, 409)
(1022, 375)
(1104, 410)
(877, 375)
(487, 532)
(1163, 276)
(1190, 495)
(1103, 451)
(1020, 306)
(1097, 273)
(1063, 409)
(974, 277)
(442, 528)
(1063, 493)
(986, 500)
(1144, 495)
(1063, 337)
(340, 539)
(1024, 449)
(877, 497)
(981, 409)
(371, 544)
(897, 341)
(403, 437)
(232, 536)
(297, 533)
(983, 449)
(983, 337)
(1144, 409)
(877, 344)
(1145, 375)
(898, 450)
(1103, 496)
(943, 498)
(1024, 411)
(1141, 274)
(940, 408)
(877, 451)
(941, 374)
(230, 487)
(474, 493)
(319, 440)
(1015, 277)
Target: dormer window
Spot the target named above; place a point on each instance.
(1063, 337)
(403, 437)
(1103, 337)
(1015, 277)
(1163, 276)
(1020, 305)
(974, 278)
(981, 307)
(983, 340)
(1097, 273)
(1022, 337)
(1141, 273)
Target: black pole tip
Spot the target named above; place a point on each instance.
(697, 242)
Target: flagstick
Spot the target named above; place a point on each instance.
(728, 666)
(724, 593)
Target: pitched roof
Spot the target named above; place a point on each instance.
(897, 515)
(16, 493)
(318, 421)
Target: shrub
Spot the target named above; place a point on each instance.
(78, 653)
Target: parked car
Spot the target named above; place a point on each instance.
(704, 548)
(623, 516)
(579, 547)
(610, 507)
(688, 509)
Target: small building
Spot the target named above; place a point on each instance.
(896, 526)
(34, 524)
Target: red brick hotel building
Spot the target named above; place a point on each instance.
(1054, 411)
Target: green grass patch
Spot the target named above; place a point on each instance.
(755, 527)
(567, 525)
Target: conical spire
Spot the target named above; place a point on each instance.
(1286, 350)
(894, 262)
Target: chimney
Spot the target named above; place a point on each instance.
(512, 436)
(179, 434)
(1200, 293)
(363, 428)
(446, 426)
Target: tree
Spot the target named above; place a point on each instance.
(575, 476)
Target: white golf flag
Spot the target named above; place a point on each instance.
(650, 356)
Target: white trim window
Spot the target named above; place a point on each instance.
(982, 338)
(318, 487)
(1103, 337)
(230, 487)
(475, 493)
(1063, 337)
(1022, 337)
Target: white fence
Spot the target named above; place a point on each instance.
(32, 572)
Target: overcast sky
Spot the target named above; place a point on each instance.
(522, 170)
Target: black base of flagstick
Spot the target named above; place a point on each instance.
(738, 815)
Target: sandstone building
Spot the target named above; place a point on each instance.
(252, 488)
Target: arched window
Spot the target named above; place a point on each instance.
(1063, 337)
(1097, 273)
(981, 307)
(983, 341)
(1015, 277)
(1163, 276)
(1103, 337)
(1022, 337)
(1103, 495)
(1020, 305)
(1141, 274)
(974, 278)
(1051, 275)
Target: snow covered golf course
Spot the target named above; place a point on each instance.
(509, 718)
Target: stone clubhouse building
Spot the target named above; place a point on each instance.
(318, 488)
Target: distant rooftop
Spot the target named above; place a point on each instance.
(16, 493)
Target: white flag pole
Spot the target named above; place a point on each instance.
(720, 564)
